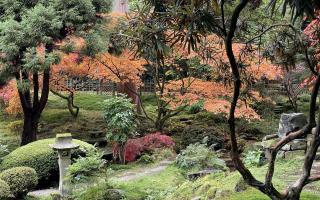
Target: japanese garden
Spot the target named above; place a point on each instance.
(159, 99)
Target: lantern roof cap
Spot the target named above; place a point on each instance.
(64, 142)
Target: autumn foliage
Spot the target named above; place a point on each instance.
(10, 97)
(135, 147)
(126, 70)
(217, 91)
(312, 31)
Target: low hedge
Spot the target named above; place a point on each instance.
(4, 190)
(40, 156)
(20, 180)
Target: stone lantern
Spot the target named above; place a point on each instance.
(64, 146)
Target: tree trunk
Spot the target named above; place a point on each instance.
(30, 128)
(159, 125)
(71, 106)
(293, 195)
(32, 109)
(70, 102)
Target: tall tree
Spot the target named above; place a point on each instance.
(198, 20)
(28, 25)
(293, 191)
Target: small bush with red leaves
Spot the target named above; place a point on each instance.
(157, 140)
(134, 148)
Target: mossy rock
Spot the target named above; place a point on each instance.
(5, 192)
(20, 180)
(40, 156)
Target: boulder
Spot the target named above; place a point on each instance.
(290, 122)
(299, 144)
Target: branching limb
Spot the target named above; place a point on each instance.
(70, 100)
(269, 28)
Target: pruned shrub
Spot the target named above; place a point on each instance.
(136, 147)
(20, 180)
(84, 167)
(198, 157)
(40, 156)
(133, 149)
(5, 192)
(157, 140)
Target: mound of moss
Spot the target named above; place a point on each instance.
(4, 190)
(40, 156)
(20, 180)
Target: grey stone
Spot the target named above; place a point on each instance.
(270, 137)
(286, 147)
(45, 193)
(299, 144)
(290, 122)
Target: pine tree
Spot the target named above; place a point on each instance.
(28, 25)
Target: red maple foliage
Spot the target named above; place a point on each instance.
(312, 31)
(156, 141)
(135, 147)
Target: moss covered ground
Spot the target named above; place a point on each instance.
(170, 183)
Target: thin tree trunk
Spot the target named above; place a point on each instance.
(70, 102)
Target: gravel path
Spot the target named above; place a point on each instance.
(42, 193)
(126, 176)
(133, 175)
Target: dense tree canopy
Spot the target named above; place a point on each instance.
(28, 25)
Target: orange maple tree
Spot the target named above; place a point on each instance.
(10, 97)
(217, 91)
